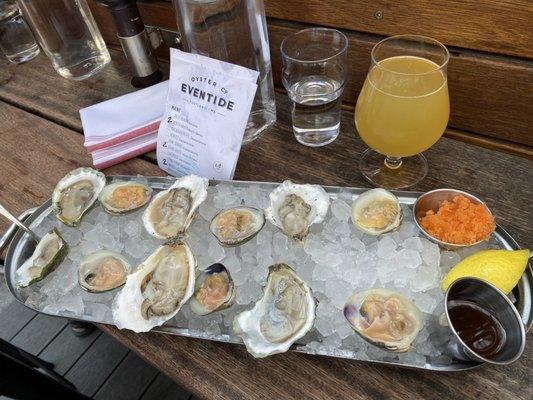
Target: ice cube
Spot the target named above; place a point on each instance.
(386, 248)
(413, 243)
(340, 210)
(408, 259)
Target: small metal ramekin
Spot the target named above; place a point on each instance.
(494, 301)
(432, 200)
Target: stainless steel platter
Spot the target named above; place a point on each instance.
(21, 247)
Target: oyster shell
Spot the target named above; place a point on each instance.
(235, 226)
(155, 292)
(48, 254)
(284, 314)
(171, 211)
(76, 193)
(102, 271)
(384, 318)
(214, 290)
(294, 208)
(122, 197)
(376, 211)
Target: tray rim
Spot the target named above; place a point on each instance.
(158, 182)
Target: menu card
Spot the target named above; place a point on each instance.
(206, 112)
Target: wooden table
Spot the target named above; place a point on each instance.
(40, 137)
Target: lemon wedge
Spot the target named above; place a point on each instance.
(502, 268)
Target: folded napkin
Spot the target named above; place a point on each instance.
(124, 127)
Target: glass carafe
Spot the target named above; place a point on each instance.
(234, 31)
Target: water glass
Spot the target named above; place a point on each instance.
(16, 39)
(68, 34)
(314, 74)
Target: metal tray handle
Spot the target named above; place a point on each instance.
(5, 239)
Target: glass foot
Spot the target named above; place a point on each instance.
(392, 173)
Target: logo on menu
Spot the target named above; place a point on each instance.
(207, 96)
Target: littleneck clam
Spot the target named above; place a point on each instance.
(284, 314)
(122, 197)
(376, 211)
(76, 193)
(171, 211)
(102, 271)
(235, 226)
(294, 208)
(384, 318)
(155, 292)
(214, 290)
(48, 254)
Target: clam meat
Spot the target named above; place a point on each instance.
(376, 211)
(384, 318)
(294, 208)
(122, 197)
(284, 314)
(102, 271)
(48, 254)
(235, 226)
(214, 290)
(155, 292)
(171, 211)
(76, 193)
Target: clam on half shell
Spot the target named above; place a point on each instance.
(122, 197)
(384, 318)
(171, 211)
(284, 314)
(294, 208)
(214, 290)
(376, 211)
(48, 254)
(76, 193)
(235, 226)
(155, 292)
(102, 271)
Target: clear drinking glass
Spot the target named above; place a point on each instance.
(16, 39)
(67, 33)
(403, 109)
(314, 74)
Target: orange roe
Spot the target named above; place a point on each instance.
(459, 221)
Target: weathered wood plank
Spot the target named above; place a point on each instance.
(483, 87)
(36, 335)
(13, 318)
(163, 388)
(128, 381)
(93, 368)
(67, 348)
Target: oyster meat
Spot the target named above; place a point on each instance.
(122, 197)
(284, 314)
(76, 193)
(235, 226)
(155, 292)
(384, 318)
(294, 208)
(376, 211)
(48, 254)
(102, 271)
(171, 211)
(214, 290)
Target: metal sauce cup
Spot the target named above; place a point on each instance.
(432, 200)
(494, 301)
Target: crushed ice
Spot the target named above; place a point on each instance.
(336, 260)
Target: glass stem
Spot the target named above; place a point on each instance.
(393, 162)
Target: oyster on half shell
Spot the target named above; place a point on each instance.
(376, 211)
(155, 292)
(76, 193)
(384, 318)
(235, 226)
(294, 208)
(171, 211)
(284, 314)
(122, 197)
(48, 254)
(102, 271)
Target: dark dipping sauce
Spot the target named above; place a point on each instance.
(478, 329)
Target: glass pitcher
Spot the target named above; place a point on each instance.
(234, 31)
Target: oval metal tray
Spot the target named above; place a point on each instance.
(22, 246)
